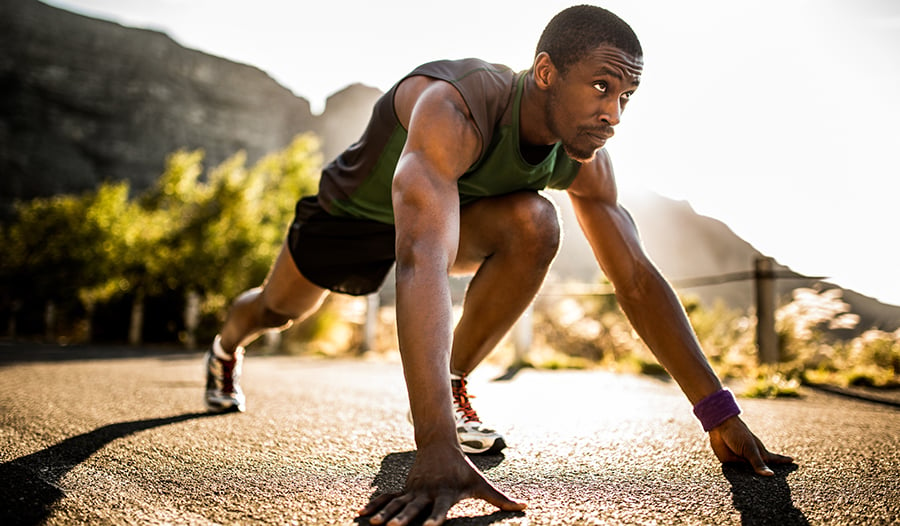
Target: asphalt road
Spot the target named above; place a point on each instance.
(119, 436)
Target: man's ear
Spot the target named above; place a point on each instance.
(545, 72)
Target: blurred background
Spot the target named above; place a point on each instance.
(151, 153)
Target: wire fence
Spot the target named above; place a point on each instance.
(764, 276)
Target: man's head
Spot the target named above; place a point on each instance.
(588, 64)
(578, 30)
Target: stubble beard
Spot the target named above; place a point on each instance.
(576, 152)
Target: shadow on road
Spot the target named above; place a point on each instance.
(21, 353)
(391, 478)
(30, 483)
(764, 500)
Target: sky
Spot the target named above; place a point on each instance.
(780, 118)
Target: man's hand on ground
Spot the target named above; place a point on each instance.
(438, 480)
(732, 441)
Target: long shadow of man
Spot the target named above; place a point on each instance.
(29, 485)
(764, 500)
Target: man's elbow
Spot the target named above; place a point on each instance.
(417, 256)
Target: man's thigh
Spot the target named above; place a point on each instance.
(503, 222)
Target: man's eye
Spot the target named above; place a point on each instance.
(627, 95)
(600, 86)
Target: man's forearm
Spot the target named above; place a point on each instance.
(424, 328)
(658, 317)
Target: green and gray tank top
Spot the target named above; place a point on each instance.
(358, 182)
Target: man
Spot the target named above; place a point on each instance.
(445, 180)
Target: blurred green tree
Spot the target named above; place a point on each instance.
(228, 229)
(52, 251)
(206, 239)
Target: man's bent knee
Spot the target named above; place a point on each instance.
(524, 225)
(253, 302)
(271, 319)
(535, 225)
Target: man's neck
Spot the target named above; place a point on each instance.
(533, 130)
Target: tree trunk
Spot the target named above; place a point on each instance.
(89, 308)
(12, 323)
(191, 318)
(50, 321)
(135, 329)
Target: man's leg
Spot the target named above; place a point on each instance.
(509, 242)
(285, 296)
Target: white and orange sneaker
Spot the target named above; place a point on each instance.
(474, 436)
(223, 375)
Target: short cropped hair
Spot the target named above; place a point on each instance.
(577, 30)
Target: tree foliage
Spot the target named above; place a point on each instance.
(212, 232)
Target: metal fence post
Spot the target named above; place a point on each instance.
(766, 338)
(523, 334)
(370, 330)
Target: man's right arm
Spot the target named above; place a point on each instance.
(442, 143)
(426, 214)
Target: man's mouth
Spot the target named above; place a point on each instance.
(602, 134)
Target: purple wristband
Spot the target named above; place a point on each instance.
(716, 408)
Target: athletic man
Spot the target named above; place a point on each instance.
(445, 180)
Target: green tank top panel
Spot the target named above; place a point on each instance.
(372, 199)
(503, 170)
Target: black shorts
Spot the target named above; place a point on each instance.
(341, 254)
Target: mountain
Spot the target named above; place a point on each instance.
(84, 101)
(704, 258)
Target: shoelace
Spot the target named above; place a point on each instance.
(461, 399)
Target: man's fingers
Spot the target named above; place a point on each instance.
(394, 504)
(775, 458)
(754, 457)
(499, 499)
(439, 511)
(409, 512)
(376, 504)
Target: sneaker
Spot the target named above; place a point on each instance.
(474, 436)
(223, 391)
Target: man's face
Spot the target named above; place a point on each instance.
(585, 103)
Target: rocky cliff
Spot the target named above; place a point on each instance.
(84, 101)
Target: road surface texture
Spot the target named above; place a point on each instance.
(117, 436)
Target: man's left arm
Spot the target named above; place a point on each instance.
(653, 308)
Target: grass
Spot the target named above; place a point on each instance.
(595, 330)
(772, 385)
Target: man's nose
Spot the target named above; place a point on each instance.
(611, 112)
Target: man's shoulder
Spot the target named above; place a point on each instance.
(487, 89)
(457, 70)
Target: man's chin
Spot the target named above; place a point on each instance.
(580, 155)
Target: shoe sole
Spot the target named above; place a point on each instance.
(474, 447)
(224, 406)
(225, 409)
(477, 448)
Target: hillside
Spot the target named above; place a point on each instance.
(691, 248)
